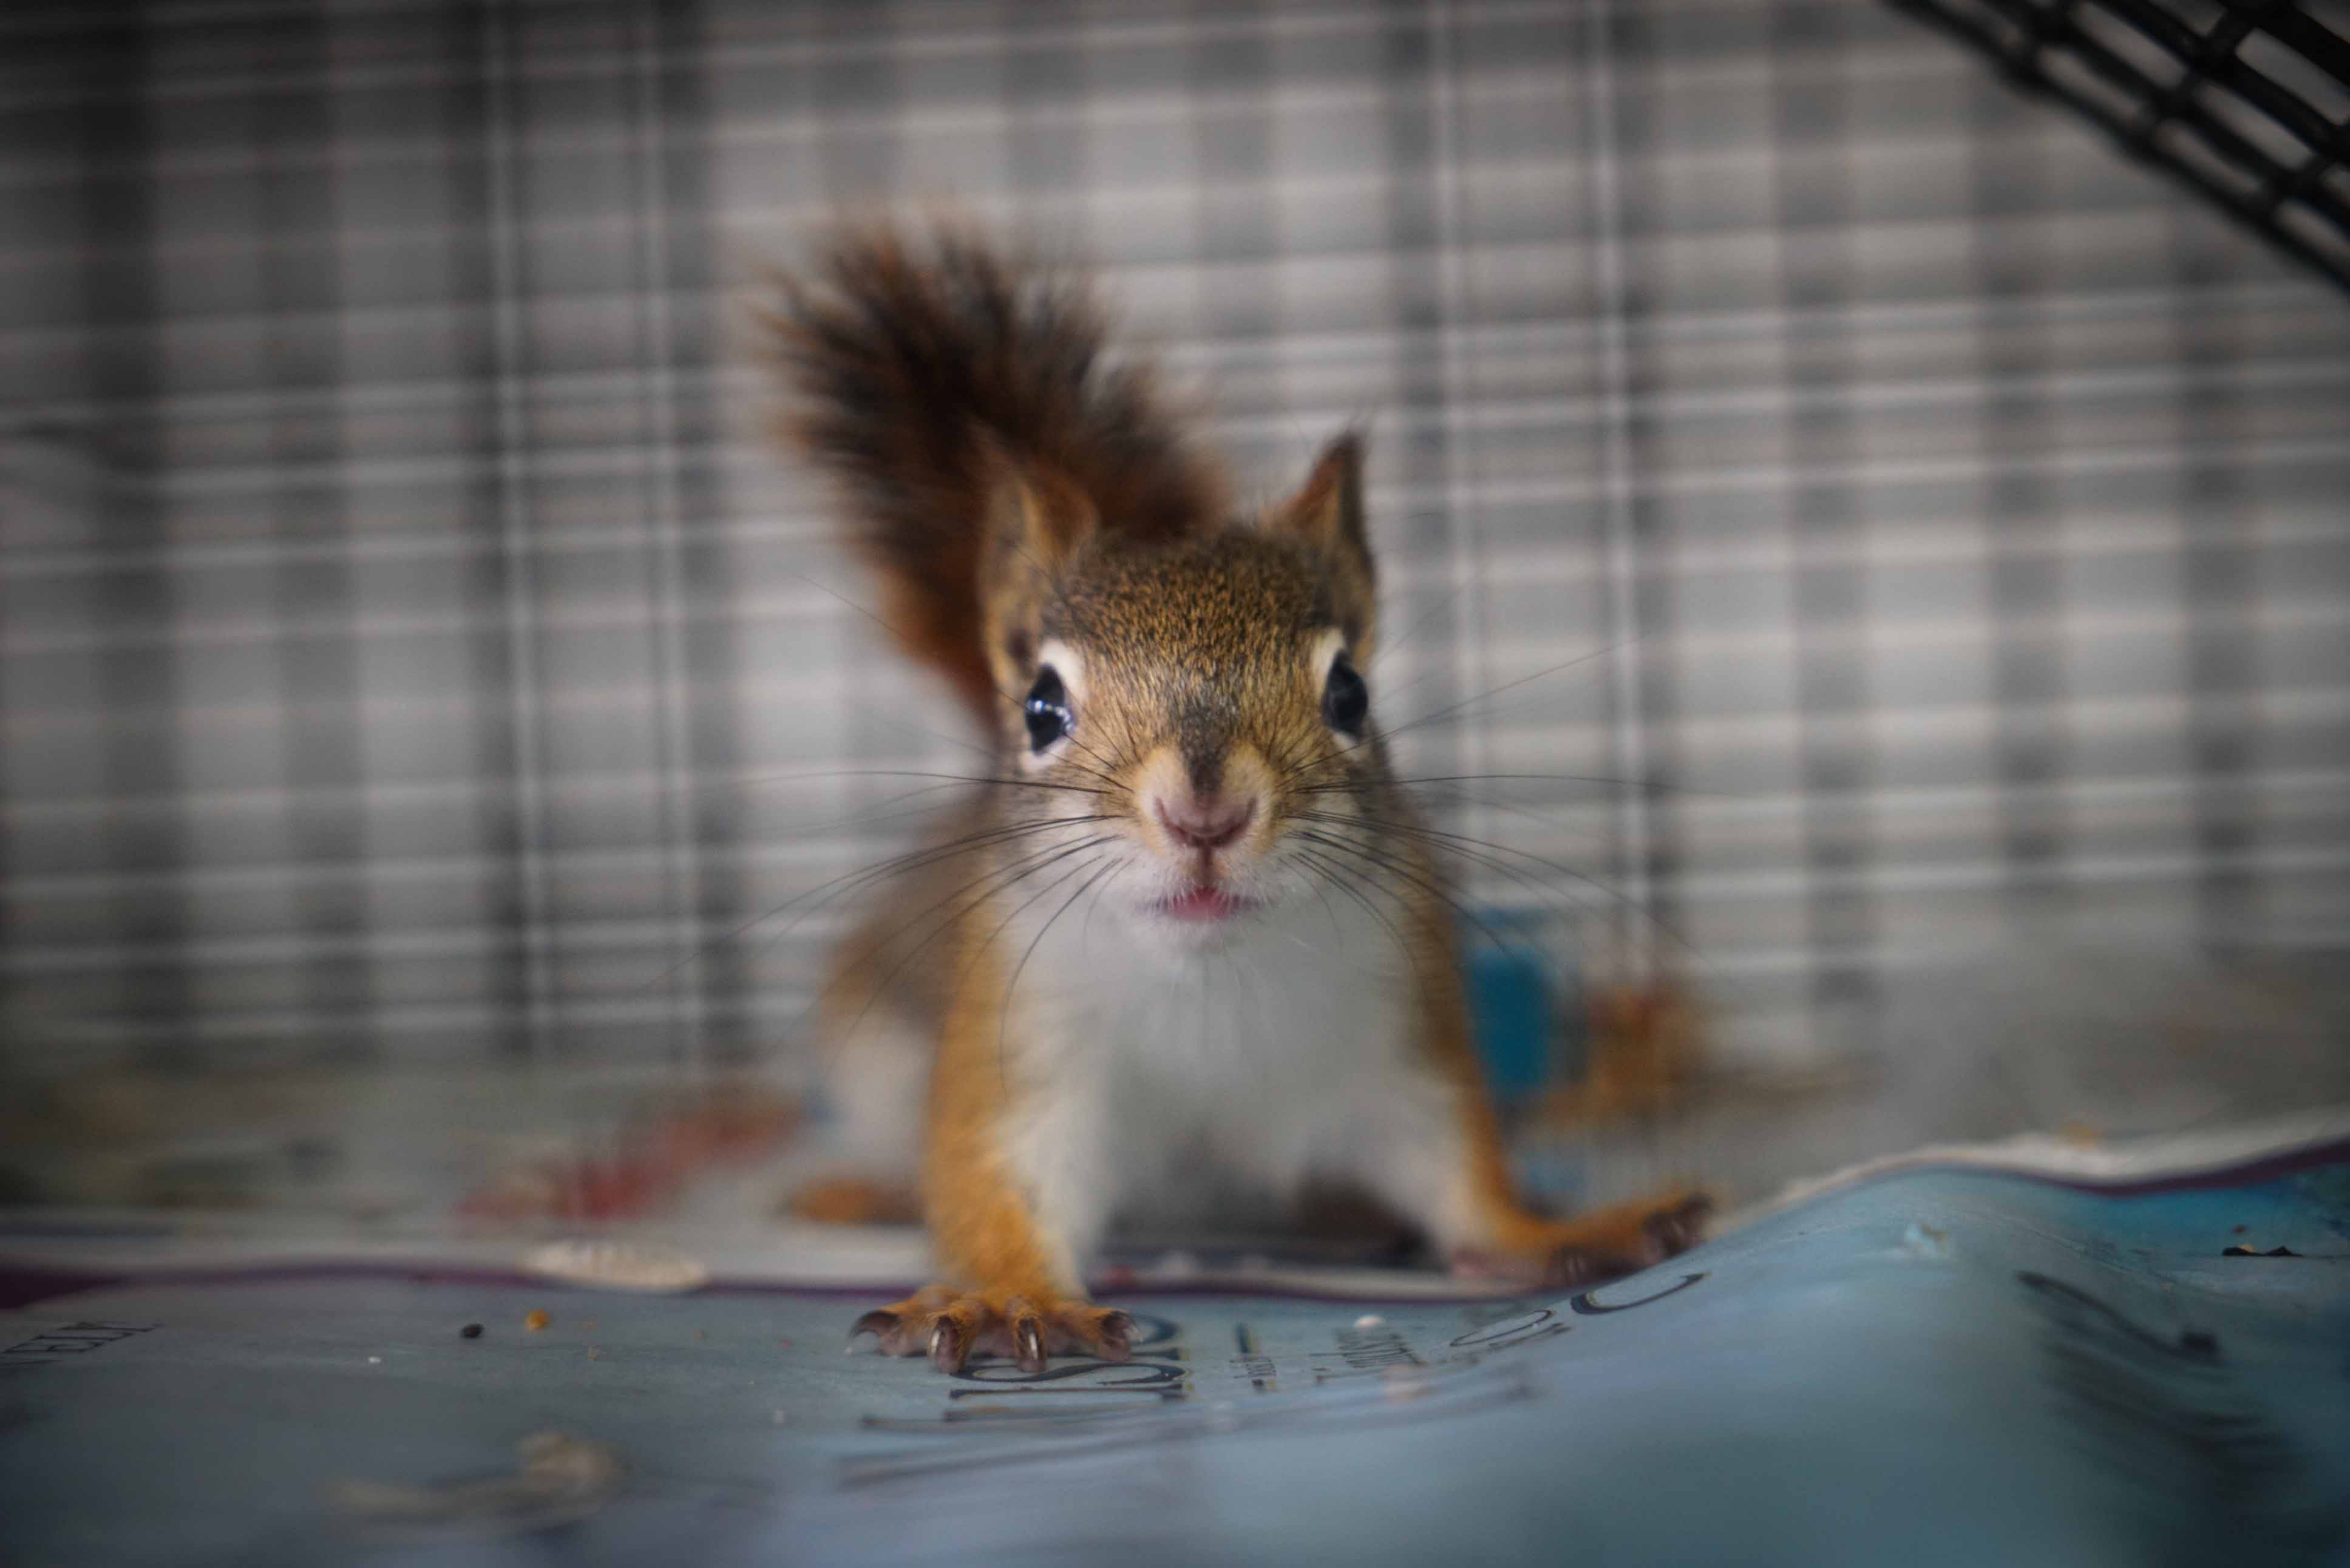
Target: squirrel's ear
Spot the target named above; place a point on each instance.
(1035, 510)
(1037, 521)
(1326, 516)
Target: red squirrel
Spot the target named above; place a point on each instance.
(1191, 919)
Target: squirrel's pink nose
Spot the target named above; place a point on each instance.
(1203, 825)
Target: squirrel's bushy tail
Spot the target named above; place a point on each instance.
(907, 355)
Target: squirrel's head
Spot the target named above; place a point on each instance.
(1196, 709)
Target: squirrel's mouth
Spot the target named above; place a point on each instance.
(1203, 904)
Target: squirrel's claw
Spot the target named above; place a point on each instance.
(1624, 1239)
(1027, 1339)
(950, 1327)
(1677, 1228)
(950, 1346)
(903, 1328)
(1605, 1244)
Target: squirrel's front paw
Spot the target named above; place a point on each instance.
(950, 1326)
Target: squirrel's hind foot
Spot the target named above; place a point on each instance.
(1603, 1244)
(950, 1326)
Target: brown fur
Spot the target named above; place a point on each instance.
(911, 358)
(1016, 495)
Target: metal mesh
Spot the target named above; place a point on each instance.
(2247, 101)
(412, 651)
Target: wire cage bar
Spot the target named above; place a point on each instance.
(2246, 102)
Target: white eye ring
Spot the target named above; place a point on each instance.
(1328, 644)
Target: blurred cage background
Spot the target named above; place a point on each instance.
(416, 666)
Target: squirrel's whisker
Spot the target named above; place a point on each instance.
(989, 883)
(1496, 856)
(1003, 1013)
(1347, 883)
(864, 876)
(1468, 702)
(1401, 867)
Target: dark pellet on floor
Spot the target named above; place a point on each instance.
(470, 1331)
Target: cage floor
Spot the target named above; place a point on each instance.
(1936, 1364)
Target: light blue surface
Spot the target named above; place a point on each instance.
(1937, 1367)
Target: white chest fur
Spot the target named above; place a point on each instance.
(1286, 1052)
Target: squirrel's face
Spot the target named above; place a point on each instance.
(1197, 716)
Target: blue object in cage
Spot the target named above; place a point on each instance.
(1512, 999)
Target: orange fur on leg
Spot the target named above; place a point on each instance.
(1513, 1240)
(1017, 1292)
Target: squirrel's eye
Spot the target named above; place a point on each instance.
(1047, 710)
(1345, 700)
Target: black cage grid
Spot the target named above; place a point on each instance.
(2246, 102)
